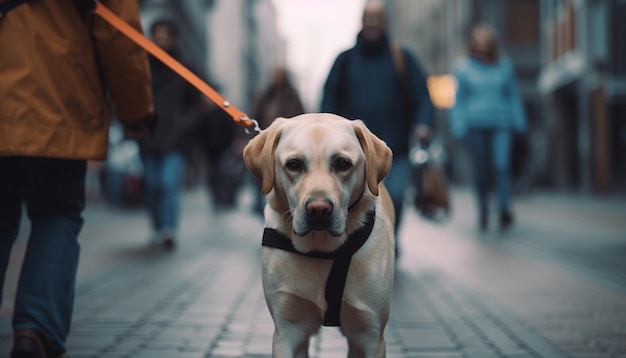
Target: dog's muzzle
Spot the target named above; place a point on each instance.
(319, 215)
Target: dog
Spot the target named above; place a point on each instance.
(321, 175)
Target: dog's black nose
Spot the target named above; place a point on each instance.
(319, 209)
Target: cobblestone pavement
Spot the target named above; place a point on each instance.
(457, 293)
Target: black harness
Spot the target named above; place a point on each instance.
(336, 280)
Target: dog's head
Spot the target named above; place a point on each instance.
(315, 169)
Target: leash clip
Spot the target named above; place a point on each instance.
(255, 124)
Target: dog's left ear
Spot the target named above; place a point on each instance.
(259, 155)
(378, 156)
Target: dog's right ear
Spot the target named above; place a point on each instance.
(378, 156)
(259, 155)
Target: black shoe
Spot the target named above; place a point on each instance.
(169, 243)
(506, 221)
(27, 343)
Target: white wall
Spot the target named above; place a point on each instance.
(226, 33)
(230, 44)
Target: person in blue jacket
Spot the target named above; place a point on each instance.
(366, 82)
(488, 110)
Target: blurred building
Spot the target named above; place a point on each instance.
(437, 32)
(245, 46)
(232, 43)
(583, 81)
(571, 65)
(191, 18)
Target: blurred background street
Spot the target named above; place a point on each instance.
(569, 59)
(552, 286)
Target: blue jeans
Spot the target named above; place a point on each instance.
(491, 151)
(163, 176)
(53, 191)
(396, 182)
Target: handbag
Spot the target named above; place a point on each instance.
(434, 188)
(432, 197)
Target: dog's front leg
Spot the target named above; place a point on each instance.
(366, 349)
(365, 332)
(290, 342)
(295, 321)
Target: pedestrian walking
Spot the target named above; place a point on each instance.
(56, 65)
(279, 99)
(384, 85)
(216, 135)
(487, 112)
(178, 107)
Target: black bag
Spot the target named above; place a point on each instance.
(218, 133)
(227, 178)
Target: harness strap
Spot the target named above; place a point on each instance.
(335, 285)
(336, 281)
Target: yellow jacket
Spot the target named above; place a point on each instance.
(57, 68)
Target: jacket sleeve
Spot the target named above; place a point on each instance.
(123, 65)
(333, 87)
(518, 115)
(418, 89)
(458, 126)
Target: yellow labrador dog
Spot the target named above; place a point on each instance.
(328, 246)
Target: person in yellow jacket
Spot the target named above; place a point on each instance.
(60, 69)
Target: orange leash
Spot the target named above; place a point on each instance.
(238, 116)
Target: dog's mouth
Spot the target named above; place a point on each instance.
(318, 215)
(318, 228)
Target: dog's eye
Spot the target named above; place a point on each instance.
(295, 165)
(342, 164)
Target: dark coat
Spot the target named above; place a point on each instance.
(277, 101)
(178, 109)
(364, 84)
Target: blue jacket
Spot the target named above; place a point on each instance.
(486, 97)
(363, 83)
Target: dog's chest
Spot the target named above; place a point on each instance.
(302, 276)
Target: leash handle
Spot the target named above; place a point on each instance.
(238, 116)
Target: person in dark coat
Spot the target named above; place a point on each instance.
(216, 135)
(278, 99)
(365, 82)
(177, 105)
